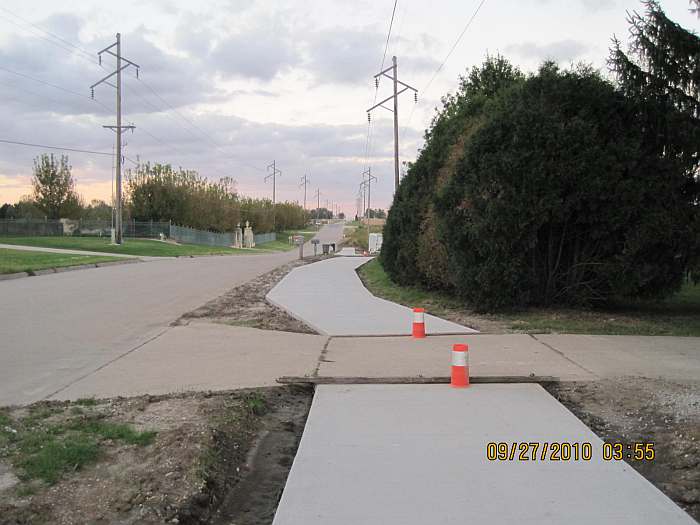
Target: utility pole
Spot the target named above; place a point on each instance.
(370, 178)
(304, 182)
(118, 128)
(404, 87)
(318, 203)
(273, 174)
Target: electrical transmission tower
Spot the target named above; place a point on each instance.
(305, 182)
(395, 96)
(318, 203)
(118, 128)
(368, 183)
(273, 175)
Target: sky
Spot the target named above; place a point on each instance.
(227, 86)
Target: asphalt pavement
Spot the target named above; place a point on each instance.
(58, 328)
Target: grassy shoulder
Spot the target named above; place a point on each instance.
(677, 316)
(14, 261)
(139, 247)
(282, 242)
(150, 459)
(358, 236)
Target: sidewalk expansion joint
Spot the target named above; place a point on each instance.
(322, 356)
(562, 354)
(77, 380)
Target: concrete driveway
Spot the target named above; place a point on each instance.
(57, 328)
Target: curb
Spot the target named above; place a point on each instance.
(64, 269)
(10, 276)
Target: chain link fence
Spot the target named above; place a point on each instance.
(131, 229)
(94, 228)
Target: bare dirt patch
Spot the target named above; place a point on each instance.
(216, 458)
(640, 410)
(245, 305)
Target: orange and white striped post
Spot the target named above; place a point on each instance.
(460, 366)
(418, 323)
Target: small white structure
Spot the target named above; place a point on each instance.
(248, 236)
(375, 242)
(238, 237)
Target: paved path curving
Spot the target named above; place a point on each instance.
(330, 297)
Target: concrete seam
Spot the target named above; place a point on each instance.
(140, 345)
(564, 356)
(322, 356)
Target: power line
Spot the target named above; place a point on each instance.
(18, 143)
(442, 64)
(50, 34)
(368, 141)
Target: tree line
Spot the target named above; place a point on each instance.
(154, 192)
(561, 186)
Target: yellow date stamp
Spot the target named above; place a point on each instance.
(539, 451)
(567, 451)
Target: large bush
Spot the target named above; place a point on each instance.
(556, 202)
(412, 253)
(542, 191)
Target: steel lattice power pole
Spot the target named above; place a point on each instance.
(395, 96)
(370, 178)
(118, 229)
(304, 182)
(273, 174)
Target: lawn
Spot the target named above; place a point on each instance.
(14, 261)
(282, 242)
(359, 236)
(678, 315)
(141, 247)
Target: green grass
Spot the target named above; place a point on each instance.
(14, 261)
(677, 316)
(50, 442)
(282, 242)
(141, 247)
(359, 236)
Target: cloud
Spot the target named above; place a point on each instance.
(256, 54)
(561, 50)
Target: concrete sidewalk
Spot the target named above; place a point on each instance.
(74, 252)
(329, 297)
(416, 454)
(563, 357)
(201, 356)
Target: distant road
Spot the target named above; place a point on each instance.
(56, 328)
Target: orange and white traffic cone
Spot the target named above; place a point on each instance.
(418, 323)
(460, 366)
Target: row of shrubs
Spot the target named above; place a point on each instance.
(548, 188)
(159, 192)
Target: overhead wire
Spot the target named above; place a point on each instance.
(444, 61)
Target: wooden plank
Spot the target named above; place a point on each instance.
(411, 380)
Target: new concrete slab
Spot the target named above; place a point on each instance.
(329, 297)
(624, 355)
(489, 355)
(416, 454)
(202, 356)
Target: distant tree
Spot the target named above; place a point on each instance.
(377, 213)
(7, 211)
(54, 188)
(97, 210)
